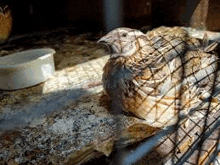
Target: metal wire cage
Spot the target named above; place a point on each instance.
(197, 142)
(192, 139)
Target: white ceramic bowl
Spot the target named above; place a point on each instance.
(26, 68)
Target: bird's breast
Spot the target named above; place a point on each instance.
(117, 78)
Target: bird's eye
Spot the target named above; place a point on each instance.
(124, 35)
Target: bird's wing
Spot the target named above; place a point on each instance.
(173, 69)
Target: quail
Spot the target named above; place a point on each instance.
(159, 74)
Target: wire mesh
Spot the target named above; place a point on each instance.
(181, 90)
(183, 78)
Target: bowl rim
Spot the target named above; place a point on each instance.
(48, 51)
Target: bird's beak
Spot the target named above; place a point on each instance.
(106, 39)
(100, 41)
(104, 42)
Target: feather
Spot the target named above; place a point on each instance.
(165, 72)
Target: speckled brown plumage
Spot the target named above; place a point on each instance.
(154, 75)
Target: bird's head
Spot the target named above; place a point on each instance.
(121, 41)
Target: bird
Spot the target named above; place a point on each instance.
(6, 22)
(157, 75)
